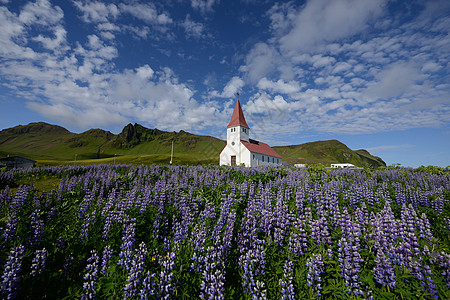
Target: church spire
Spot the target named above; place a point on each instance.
(238, 116)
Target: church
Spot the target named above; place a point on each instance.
(240, 149)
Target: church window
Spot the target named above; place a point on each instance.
(253, 156)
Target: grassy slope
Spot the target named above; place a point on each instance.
(51, 145)
(326, 152)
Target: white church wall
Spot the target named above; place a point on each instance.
(245, 156)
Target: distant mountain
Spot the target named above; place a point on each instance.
(42, 141)
(327, 152)
(46, 142)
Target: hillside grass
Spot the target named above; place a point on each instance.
(190, 158)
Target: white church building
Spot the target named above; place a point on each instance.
(240, 149)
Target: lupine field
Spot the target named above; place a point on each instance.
(168, 232)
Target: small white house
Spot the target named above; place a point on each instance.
(240, 149)
(343, 166)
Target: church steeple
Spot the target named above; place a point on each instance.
(238, 117)
(237, 129)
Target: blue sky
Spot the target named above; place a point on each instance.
(373, 74)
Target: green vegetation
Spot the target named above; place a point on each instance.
(54, 145)
(327, 152)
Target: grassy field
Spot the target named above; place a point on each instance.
(191, 158)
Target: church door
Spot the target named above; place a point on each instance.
(233, 160)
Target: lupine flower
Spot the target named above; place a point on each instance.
(349, 258)
(252, 266)
(135, 274)
(212, 285)
(128, 239)
(287, 288)
(166, 287)
(148, 288)
(384, 271)
(86, 225)
(315, 269)
(37, 228)
(91, 276)
(9, 233)
(107, 253)
(11, 273)
(429, 284)
(38, 262)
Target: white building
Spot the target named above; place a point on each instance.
(240, 149)
(343, 166)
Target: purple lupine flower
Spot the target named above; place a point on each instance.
(108, 222)
(38, 262)
(11, 277)
(86, 225)
(212, 285)
(444, 264)
(148, 288)
(319, 232)
(135, 274)
(19, 199)
(438, 204)
(384, 271)
(252, 265)
(315, 269)
(90, 277)
(349, 258)
(85, 204)
(298, 240)
(429, 284)
(9, 233)
(37, 228)
(106, 257)
(68, 262)
(259, 292)
(287, 288)
(165, 286)
(128, 239)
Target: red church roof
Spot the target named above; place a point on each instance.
(259, 147)
(238, 117)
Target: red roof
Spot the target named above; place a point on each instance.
(238, 117)
(259, 147)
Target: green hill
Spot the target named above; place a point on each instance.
(47, 143)
(327, 152)
(136, 144)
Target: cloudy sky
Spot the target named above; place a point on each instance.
(373, 74)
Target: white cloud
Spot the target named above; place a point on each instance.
(262, 60)
(146, 13)
(145, 72)
(322, 21)
(40, 12)
(281, 16)
(53, 43)
(341, 67)
(204, 6)
(394, 80)
(81, 87)
(192, 28)
(96, 11)
(279, 86)
(229, 91)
